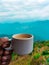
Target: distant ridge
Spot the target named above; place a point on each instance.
(40, 29)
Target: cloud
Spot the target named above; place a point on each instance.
(24, 9)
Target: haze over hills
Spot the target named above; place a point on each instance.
(40, 29)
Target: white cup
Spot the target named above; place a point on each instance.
(22, 43)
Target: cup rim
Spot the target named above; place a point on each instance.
(31, 36)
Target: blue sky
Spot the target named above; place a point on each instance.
(24, 10)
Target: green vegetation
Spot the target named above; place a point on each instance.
(39, 56)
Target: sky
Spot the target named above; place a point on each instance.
(24, 10)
